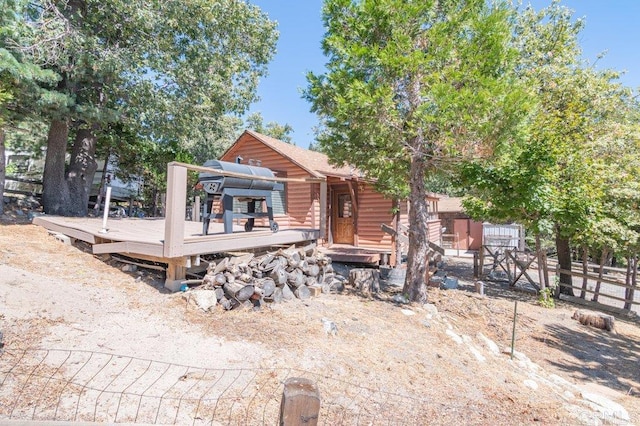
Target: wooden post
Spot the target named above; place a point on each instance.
(323, 209)
(300, 403)
(476, 266)
(175, 210)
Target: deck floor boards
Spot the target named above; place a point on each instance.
(146, 236)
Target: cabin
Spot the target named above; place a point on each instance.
(356, 212)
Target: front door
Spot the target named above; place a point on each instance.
(342, 218)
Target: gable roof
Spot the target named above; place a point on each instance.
(315, 163)
(450, 205)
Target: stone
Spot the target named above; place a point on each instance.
(531, 384)
(129, 268)
(449, 283)
(330, 327)
(400, 298)
(431, 309)
(489, 344)
(205, 299)
(608, 409)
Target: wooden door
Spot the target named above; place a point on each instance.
(342, 218)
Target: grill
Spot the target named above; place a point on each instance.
(226, 189)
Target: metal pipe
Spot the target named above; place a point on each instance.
(105, 215)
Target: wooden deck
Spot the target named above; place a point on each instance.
(145, 239)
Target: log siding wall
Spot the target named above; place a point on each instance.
(303, 204)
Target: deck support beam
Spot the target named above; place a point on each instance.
(176, 273)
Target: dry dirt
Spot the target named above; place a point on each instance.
(387, 364)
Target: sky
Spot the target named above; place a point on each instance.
(611, 27)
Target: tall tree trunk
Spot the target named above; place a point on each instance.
(82, 169)
(3, 171)
(415, 285)
(564, 260)
(55, 193)
(398, 228)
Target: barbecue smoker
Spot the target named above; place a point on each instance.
(247, 190)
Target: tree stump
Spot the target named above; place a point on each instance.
(365, 280)
(595, 319)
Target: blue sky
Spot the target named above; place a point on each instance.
(611, 26)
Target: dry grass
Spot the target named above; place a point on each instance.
(378, 348)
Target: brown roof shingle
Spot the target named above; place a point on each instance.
(316, 163)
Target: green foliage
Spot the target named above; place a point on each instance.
(278, 131)
(565, 173)
(414, 80)
(545, 298)
(170, 73)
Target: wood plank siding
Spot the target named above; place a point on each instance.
(302, 210)
(374, 210)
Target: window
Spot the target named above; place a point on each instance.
(344, 206)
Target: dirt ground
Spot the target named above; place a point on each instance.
(387, 364)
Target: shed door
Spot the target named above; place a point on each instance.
(469, 233)
(461, 232)
(342, 218)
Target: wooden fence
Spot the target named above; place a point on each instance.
(609, 289)
(600, 286)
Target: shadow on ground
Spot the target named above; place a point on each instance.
(608, 359)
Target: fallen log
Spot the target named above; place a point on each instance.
(239, 290)
(595, 319)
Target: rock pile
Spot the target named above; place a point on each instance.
(250, 281)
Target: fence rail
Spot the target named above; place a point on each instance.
(29, 186)
(630, 300)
